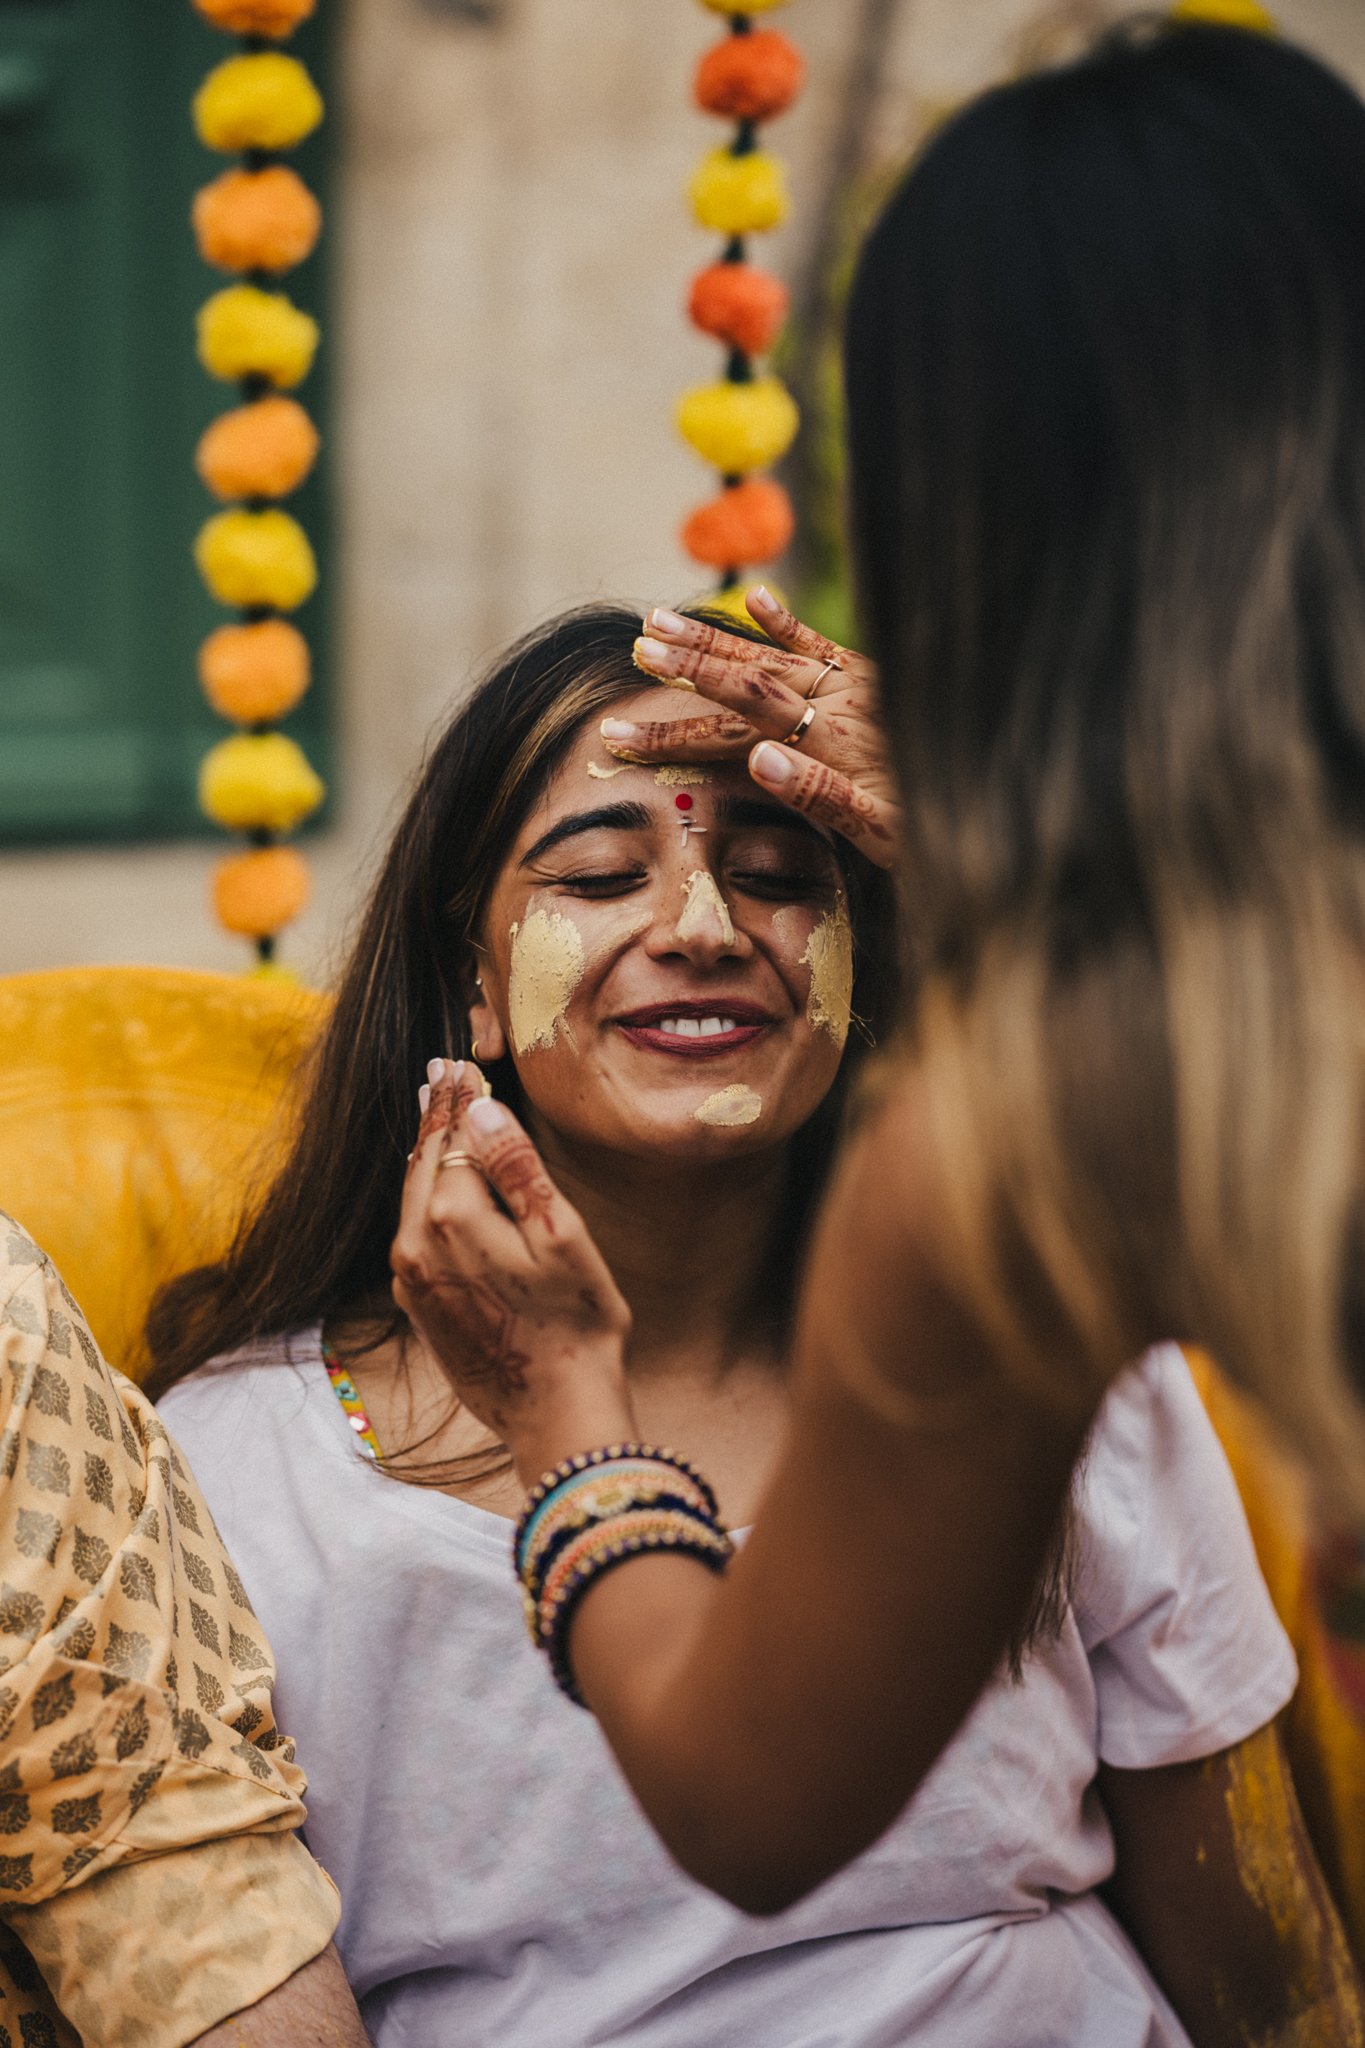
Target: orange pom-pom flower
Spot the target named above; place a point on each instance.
(257, 893)
(751, 77)
(748, 522)
(256, 220)
(742, 307)
(273, 18)
(262, 450)
(255, 674)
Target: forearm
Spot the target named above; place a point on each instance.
(1217, 1884)
(313, 2009)
(774, 1723)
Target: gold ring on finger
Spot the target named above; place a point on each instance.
(458, 1159)
(803, 726)
(820, 678)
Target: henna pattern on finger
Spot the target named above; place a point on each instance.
(728, 731)
(764, 689)
(484, 1327)
(515, 1169)
(435, 1117)
(837, 802)
(805, 638)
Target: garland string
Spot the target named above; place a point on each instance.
(746, 420)
(257, 221)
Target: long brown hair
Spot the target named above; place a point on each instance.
(1106, 380)
(316, 1243)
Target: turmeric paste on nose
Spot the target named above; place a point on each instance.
(703, 905)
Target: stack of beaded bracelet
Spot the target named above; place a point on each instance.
(595, 1511)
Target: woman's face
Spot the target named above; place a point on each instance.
(667, 958)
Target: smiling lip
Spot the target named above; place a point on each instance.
(745, 1023)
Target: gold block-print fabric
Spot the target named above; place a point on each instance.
(148, 1864)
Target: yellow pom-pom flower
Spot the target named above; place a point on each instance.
(739, 427)
(1226, 14)
(246, 332)
(261, 101)
(258, 782)
(739, 195)
(251, 558)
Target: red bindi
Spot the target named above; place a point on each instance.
(683, 802)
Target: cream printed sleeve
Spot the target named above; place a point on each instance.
(151, 1882)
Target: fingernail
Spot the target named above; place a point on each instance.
(618, 729)
(769, 764)
(435, 1070)
(652, 650)
(486, 1115)
(424, 1097)
(661, 621)
(761, 599)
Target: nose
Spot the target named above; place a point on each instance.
(702, 932)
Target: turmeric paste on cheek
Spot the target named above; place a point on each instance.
(829, 956)
(547, 966)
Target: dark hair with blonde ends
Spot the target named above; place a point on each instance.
(1106, 360)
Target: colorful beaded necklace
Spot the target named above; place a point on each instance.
(347, 1392)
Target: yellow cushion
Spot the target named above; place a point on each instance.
(137, 1106)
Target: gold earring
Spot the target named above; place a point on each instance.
(474, 1052)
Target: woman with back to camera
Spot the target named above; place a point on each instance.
(663, 974)
(1106, 381)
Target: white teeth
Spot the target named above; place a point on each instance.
(697, 1027)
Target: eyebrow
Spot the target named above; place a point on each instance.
(626, 817)
(606, 818)
(763, 811)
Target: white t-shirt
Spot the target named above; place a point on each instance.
(500, 1888)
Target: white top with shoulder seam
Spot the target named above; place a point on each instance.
(500, 1888)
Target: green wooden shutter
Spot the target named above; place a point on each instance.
(101, 402)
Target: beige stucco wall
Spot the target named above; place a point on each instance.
(513, 251)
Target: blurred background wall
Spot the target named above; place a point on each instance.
(509, 252)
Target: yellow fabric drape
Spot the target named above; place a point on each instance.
(137, 1107)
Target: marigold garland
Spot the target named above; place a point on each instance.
(256, 220)
(745, 421)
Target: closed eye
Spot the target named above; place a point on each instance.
(782, 885)
(598, 886)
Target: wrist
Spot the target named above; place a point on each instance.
(576, 1421)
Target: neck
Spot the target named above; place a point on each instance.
(686, 1244)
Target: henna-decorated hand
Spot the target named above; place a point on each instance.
(516, 1302)
(838, 775)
